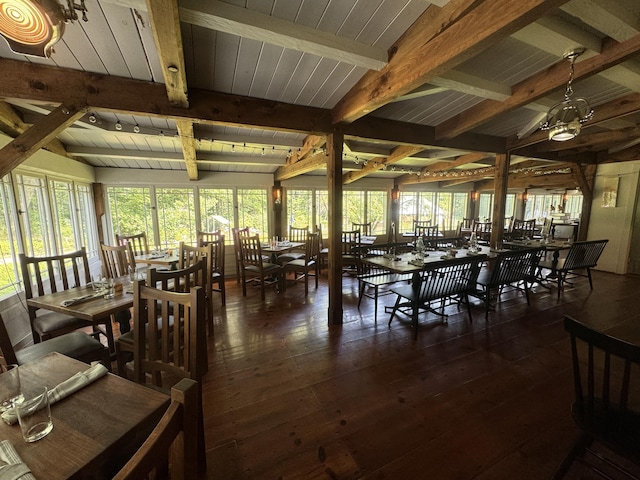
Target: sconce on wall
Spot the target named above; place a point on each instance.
(565, 119)
(32, 27)
(277, 196)
(525, 196)
(395, 195)
(474, 196)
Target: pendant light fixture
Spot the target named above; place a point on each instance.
(565, 119)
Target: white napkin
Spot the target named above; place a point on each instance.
(64, 389)
(12, 467)
(74, 301)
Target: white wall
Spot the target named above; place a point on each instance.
(614, 223)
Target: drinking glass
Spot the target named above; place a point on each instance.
(34, 415)
(10, 392)
(110, 293)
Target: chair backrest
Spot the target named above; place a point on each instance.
(428, 232)
(608, 363)
(312, 247)
(514, 266)
(451, 277)
(584, 254)
(54, 273)
(251, 251)
(6, 347)
(179, 280)
(116, 260)
(392, 234)
(421, 223)
(218, 250)
(174, 437)
(365, 228)
(203, 238)
(237, 233)
(138, 242)
(298, 234)
(468, 223)
(350, 242)
(189, 255)
(168, 328)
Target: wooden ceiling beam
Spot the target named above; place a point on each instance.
(461, 160)
(452, 43)
(309, 145)
(38, 135)
(309, 164)
(399, 153)
(537, 86)
(185, 130)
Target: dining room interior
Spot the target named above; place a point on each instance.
(388, 207)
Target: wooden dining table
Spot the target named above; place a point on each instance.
(158, 259)
(95, 430)
(97, 309)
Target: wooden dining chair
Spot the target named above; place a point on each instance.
(116, 260)
(188, 256)
(303, 267)
(352, 252)
(138, 242)
(254, 266)
(604, 407)
(164, 353)
(482, 231)
(298, 235)
(76, 345)
(237, 232)
(50, 274)
(203, 238)
(365, 228)
(171, 449)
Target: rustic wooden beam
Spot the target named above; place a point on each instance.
(461, 160)
(628, 154)
(398, 153)
(586, 142)
(468, 176)
(464, 37)
(38, 135)
(334, 178)
(500, 186)
(309, 164)
(309, 145)
(185, 130)
(537, 86)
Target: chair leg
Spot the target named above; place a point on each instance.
(577, 449)
(559, 283)
(487, 302)
(589, 276)
(375, 304)
(393, 311)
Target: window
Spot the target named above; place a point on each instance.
(176, 216)
(353, 208)
(130, 210)
(216, 211)
(63, 206)
(445, 209)
(9, 240)
(253, 210)
(485, 209)
(300, 208)
(85, 225)
(35, 216)
(542, 205)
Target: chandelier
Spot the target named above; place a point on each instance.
(565, 119)
(32, 27)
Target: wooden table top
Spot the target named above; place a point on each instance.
(280, 247)
(95, 309)
(95, 430)
(403, 266)
(157, 259)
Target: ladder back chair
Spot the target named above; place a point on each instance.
(351, 252)
(76, 345)
(217, 241)
(365, 228)
(605, 406)
(237, 232)
(482, 231)
(581, 256)
(171, 449)
(302, 267)
(116, 260)
(189, 256)
(254, 266)
(138, 242)
(41, 275)
(203, 238)
(298, 235)
(168, 328)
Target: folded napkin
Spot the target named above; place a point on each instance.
(12, 467)
(64, 389)
(74, 301)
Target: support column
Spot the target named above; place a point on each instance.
(585, 178)
(277, 208)
(334, 178)
(500, 185)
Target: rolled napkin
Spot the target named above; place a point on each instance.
(12, 466)
(64, 389)
(74, 301)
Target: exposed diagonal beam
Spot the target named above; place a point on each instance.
(310, 143)
(461, 160)
(185, 130)
(379, 163)
(309, 164)
(225, 17)
(537, 86)
(38, 135)
(472, 33)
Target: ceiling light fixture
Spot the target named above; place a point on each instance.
(565, 119)
(32, 27)
(136, 128)
(118, 125)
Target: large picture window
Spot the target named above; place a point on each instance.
(444, 209)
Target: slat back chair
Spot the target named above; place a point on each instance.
(515, 268)
(172, 445)
(429, 232)
(164, 353)
(351, 252)
(138, 242)
(439, 281)
(604, 408)
(116, 260)
(188, 256)
(41, 275)
(203, 238)
(482, 231)
(254, 266)
(365, 228)
(76, 345)
(237, 232)
(581, 256)
(467, 223)
(296, 234)
(324, 250)
(421, 223)
(302, 267)
(522, 229)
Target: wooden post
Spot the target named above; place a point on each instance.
(334, 178)
(585, 178)
(501, 182)
(98, 205)
(277, 209)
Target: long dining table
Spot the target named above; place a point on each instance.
(88, 305)
(95, 430)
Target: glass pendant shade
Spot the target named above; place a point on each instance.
(31, 27)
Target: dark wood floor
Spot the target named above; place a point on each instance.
(288, 397)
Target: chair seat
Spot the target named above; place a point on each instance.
(290, 256)
(385, 278)
(77, 345)
(49, 322)
(300, 263)
(549, 264)
(267, 267)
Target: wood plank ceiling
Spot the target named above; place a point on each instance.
(425, 91)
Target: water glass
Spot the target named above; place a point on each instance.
(110, 288)
(34, 415)
(96, 283)
(10, 391)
